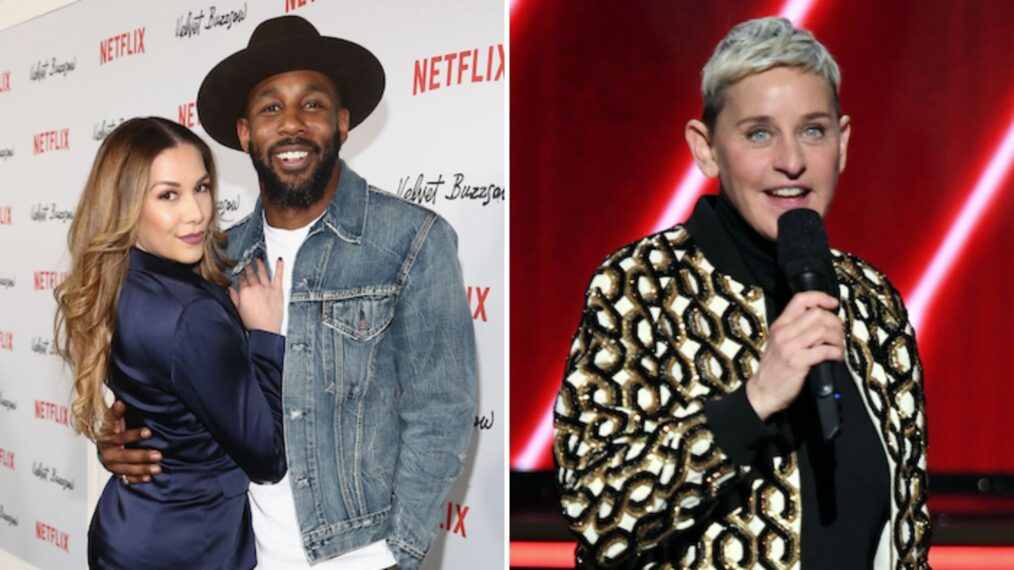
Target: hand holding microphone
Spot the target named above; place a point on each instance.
(804, 335)
(808, 335)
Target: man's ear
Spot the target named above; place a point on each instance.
(343, 123)
(243, 132)
(699, 141)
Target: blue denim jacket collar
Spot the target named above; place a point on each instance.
(345, 217)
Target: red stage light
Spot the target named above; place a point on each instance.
(985, 189)
(684, 197)
(542, 555)
(561, 555)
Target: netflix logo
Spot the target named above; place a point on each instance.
(52, 412)
(6, 216)
(477, 301)
(7, 458)
(7, 341)
(48, 141)
(121, 45)
(52, 535)
(48, 280)
(469, 66)
(5, 81)
(187, 115)
(291, 5)
(455, 520)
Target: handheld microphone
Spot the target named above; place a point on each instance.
(804, 257)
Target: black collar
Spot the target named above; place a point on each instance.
(714, 241)
(737, 250)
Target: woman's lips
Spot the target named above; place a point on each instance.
(193, 239)
(788, 197)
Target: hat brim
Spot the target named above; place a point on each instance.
(222, 98)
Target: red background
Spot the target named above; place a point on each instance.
(600, 93)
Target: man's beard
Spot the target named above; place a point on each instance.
(297, 196)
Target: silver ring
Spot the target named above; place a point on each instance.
(124, 479)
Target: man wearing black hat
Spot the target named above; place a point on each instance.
(379, 379)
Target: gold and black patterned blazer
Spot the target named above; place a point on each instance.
(643, 482)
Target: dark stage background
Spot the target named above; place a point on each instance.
(600, 93)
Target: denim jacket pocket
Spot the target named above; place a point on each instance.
(356, 323)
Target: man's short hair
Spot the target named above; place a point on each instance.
(757, 45)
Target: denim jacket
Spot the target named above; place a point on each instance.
(379, 383)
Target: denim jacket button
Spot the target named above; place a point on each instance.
(298, 346)
(295, 414)
(302, 482)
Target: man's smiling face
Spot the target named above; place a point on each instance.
(293, 129)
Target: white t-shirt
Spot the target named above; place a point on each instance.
(273, 507)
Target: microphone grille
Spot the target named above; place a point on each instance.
(800, 235)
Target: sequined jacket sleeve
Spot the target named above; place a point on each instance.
(637, 459)
(881, 347)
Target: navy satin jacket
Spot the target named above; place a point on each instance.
(211, 394)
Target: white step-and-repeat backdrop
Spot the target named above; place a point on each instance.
(69, 77)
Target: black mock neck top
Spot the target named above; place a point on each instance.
(844, 489)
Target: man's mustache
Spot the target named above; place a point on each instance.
(292, 142)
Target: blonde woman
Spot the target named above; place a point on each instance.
(146, 313)
(684, 437)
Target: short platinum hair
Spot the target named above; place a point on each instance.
(758, 45)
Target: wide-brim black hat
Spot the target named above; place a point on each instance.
(278, 45)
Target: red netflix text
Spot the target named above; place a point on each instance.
(477, 302)
(48, 141)
(469, 66)
(5, 81)
(6, 218)
(51, 412)
(188, 115)
(48, 280)
(7, 341)
(455, 522)
(6, 458)
(293, 4)
(121, 45)
(52, 535)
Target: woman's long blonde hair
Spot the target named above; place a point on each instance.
(104, 229)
